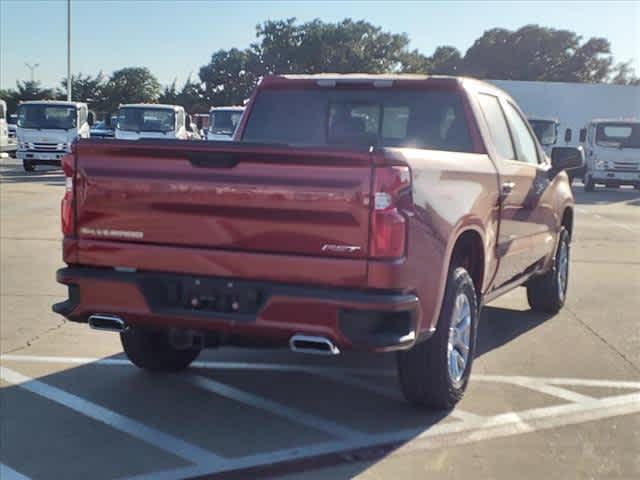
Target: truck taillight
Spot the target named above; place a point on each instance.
(391, 193)
(67, 214)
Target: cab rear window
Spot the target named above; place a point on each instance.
(432, 119)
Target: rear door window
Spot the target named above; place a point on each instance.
(524, 140)
(497, 124)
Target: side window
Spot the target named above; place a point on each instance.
(83, 116)
(525, 144)
(497, 126)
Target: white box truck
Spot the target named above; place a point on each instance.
(46, 129)
(223, 122)
(4, 131)
(612, 153)
(147, 120)
(573, 105)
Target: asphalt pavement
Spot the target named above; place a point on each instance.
(551, 397)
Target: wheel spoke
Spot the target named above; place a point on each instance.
(460, 363)
(459, 336)
(462, 348)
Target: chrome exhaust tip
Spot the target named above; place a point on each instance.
(313, 345)
(108, 323)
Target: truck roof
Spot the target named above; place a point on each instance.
(543, 119)
(152, 105)
(378, 80)
(233, 108)
(62, 103)
(615, 120)
(330, 79)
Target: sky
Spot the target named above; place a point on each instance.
(175, 38)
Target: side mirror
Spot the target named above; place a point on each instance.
(90, 119)
(565, 158)
(567, 135)
(583, 135)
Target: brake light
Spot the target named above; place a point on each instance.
(391, 193)
(67, 214)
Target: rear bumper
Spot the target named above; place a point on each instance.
(41, 158)
(615, 177)
(243, 310)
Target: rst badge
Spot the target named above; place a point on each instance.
(329, 247)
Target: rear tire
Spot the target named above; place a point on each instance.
(150, 350)
(547, 292)
(28, 166)
(430, 373)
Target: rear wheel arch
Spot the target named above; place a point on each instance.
(567, 221)
(468, 252)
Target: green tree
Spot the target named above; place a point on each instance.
(314, 47)
(130, 85)
(415, 62)
(230, 76)
(27, 90)
(624, 74)
(446, 60)
(87, 88)
(538, 53)
(190, 96)
(10, 96)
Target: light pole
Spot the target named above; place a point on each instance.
(32, 67)
(68, 50)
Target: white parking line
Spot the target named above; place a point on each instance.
(313, 369)
(7, 473)
(578, 382)
(132, 427)
(473, 428)
(274, 367)
(256, 401)
(607, 220)
(386, 392)
(438, 436)
(553, 391)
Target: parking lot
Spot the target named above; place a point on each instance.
(550, 397)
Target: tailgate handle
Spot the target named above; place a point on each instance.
(213, 159)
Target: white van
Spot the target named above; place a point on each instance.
(4, 130)
(223, 122)
(146, 120)
(546, 129)
(46, 129)
(612, 153)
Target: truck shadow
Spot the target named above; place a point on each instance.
(499, 326)
(604, 196)
(11, 174)
(245, 388)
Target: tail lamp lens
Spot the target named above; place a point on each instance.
(67, 215)
(392, 190)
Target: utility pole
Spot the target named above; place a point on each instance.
(68, 50)
(32, 68)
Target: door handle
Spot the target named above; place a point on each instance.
(507, 187)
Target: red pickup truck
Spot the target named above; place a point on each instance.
(361, 212)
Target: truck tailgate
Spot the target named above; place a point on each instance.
(228, 196)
